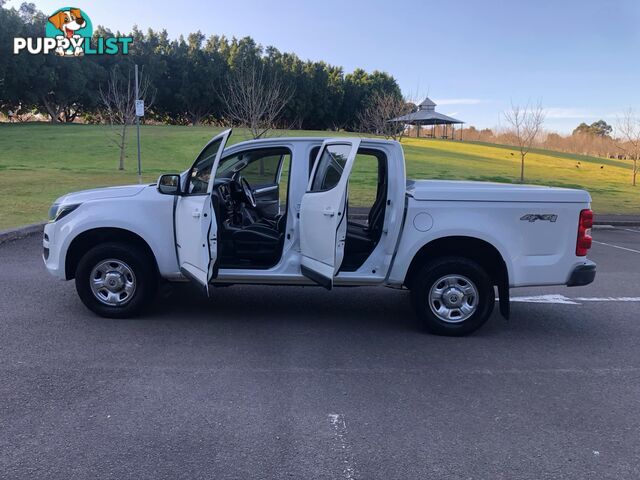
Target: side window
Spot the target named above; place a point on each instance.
(283, 181)
(263, 170)
(330, 167)
(312, 159)
(259, 167)
(366, 183)
(198, 177)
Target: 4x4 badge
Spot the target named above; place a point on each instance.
(532, 217)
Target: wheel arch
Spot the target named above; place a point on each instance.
(471, 248)
(88, 239)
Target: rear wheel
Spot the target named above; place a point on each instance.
(116, 280)
(452, 296)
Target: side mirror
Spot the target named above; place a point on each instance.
(169, 184)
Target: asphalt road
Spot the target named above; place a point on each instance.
(284, 382)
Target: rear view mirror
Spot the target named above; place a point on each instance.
(169, 184)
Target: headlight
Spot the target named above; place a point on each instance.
(57, 211)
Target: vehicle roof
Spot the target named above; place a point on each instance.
(309, 140)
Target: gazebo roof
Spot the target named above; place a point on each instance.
(427, 103)
(427, 117)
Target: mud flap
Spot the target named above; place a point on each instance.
(505, 301)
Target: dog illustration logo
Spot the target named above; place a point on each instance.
(69, 33)
(74, 26)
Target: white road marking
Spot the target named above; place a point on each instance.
(631, 230)
(607, 299)
(340, 432)
(617, 246)
(554, 298)
(562, 300)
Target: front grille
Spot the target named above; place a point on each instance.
(46, 253)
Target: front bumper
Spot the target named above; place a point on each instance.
(51, 251)
(582, 274)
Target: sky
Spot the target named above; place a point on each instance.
(580, 59)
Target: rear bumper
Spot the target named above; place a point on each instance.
(582, 275)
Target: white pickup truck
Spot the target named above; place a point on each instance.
(332, 212)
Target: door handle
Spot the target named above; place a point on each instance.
(195, 214)
(329, 212)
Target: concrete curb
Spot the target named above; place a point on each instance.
(21, 232)
(615, 223)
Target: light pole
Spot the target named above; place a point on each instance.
(139, 113)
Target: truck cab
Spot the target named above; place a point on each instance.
(276, 211)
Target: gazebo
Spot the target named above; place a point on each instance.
(427, 115)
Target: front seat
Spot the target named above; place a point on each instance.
(259, 242)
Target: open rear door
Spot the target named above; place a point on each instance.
(194, 216)
(323, 211)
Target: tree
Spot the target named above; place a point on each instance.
(254, 98)
(526, 123)
(118, 98)
(63, 89)
(383, 107)
(628, 131)
(188, 74)
(599, 129)
(201, 78)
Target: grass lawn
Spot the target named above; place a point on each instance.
(40, 162)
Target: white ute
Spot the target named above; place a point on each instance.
(333, 212)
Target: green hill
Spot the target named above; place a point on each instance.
(39, 162)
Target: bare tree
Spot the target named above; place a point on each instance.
(255, 98)
(526, 123)
(119, 100)
(377, 116)
(628, 133)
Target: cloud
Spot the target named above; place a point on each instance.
(461, 101)
(570, 113)
(615, 115)
(578, 114)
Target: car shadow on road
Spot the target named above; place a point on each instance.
(374, 307)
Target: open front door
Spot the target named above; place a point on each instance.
(323, 211)
(194, 217)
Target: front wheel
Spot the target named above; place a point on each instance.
(452, 296)
(116, 280)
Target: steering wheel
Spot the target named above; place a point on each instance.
(248, 193)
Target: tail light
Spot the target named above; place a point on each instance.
(584, 233)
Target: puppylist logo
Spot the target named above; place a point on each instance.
(68, 33)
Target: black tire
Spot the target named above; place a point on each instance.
(430, 276)
(137, 260)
